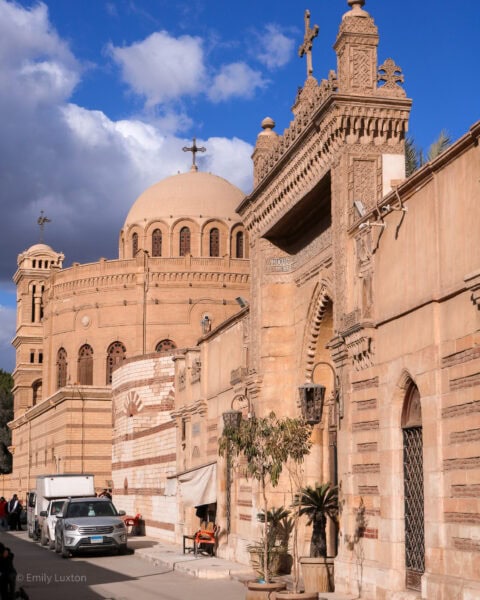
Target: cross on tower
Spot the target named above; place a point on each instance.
(41, 222)
(306, 48)
(194, 149)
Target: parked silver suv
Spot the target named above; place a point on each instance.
(89, 524)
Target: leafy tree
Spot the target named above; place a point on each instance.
(6, 415)
(267, 444)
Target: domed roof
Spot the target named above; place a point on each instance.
(186, 195)
(41, 249)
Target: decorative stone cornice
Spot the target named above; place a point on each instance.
(472, 283)
(199, 407)
(297, 165)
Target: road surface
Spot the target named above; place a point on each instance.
(45, 575)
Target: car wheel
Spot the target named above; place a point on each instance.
(65, 552)
(57, 545)
(122, 549)
(43, 539)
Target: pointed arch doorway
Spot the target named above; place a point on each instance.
(413, 488)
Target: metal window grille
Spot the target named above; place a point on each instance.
(414, 506)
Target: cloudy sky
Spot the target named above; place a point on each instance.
(98, 97)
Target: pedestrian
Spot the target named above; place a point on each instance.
(106, 494)
(3, 514)
(8, 574)
(14, 509)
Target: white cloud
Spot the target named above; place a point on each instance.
(32, 56)
(235, 80)
(161, 67)
(275, 49)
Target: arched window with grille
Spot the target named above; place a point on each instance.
(184, 241)
(214, 242)
(134, 244)
(239, 250)
(85, 365)
(165, 346)
(116, 354)
(413, 481)
(157, 243)
(61, 368)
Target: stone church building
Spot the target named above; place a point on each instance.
(335, 270)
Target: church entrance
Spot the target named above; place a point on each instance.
(413, 488)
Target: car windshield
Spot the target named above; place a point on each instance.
(91, 509)
(56, 507)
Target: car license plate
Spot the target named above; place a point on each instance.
(96, 539)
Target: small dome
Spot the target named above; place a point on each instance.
(186, 195)
(41, 249)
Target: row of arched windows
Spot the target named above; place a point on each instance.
(184, 244)
(116, 353)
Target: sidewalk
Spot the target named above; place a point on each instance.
(204, 567)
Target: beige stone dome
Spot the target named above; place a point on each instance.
(190, 194)
(41, 248)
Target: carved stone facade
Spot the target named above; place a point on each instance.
(367, 283)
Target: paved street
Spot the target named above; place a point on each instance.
(46, 576)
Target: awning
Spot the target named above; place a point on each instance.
(199, 486)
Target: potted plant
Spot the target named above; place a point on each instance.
(267, 444)
(279, 530)
(318, 504)
(295, 471)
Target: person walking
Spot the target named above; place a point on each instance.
(3, 514)
(14, 508)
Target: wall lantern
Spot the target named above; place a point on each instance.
(232, 419)
(312, 396)
(311, 402)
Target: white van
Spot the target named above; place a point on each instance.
(48, 521)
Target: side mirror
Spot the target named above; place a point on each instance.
(59, 515)
(43, 513)
(121, 513)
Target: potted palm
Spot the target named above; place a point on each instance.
(318, 504)
(267, 444)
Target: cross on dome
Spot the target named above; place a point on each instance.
(41, 223)
(194, 149)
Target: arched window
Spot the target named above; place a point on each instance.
(157, 243)
(61, 368)
(116, 353)
(239, 245)
(85, 365)
(184, 241)
(36, 391)
(214, 242)
(134, 244)
(413, 488)
(165, 346)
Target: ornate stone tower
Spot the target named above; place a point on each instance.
(35, 267)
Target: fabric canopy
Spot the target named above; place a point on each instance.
(199, 486)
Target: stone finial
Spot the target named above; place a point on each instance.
(268, 124)
(357, 8)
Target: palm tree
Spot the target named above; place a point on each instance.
(318, 503)
(415, 157)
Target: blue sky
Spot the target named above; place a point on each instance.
(97, 99)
